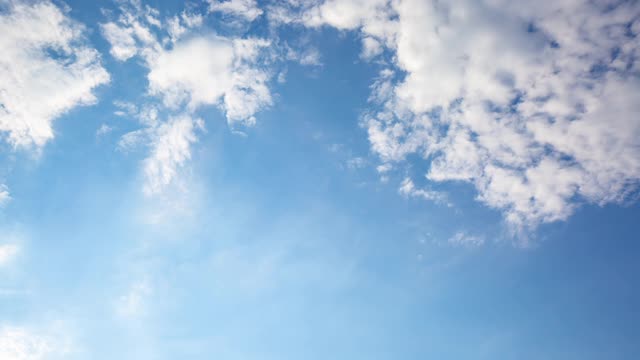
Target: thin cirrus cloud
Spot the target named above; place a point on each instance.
(534, 104)
(46, 69)
(246, 9)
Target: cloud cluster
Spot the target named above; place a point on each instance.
(189, 67)
(536, 104)
(212, 70)
(46, 69)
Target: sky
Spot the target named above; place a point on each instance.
(314, 179)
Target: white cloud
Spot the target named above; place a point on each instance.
(462, 239)
(247, 9)
(346, 14)
(132, 33)
(45, 71)
(18, 344)
(179, 25)
(104, 130)
(370, 48)
(212, 70)
(408, 188)
(7, 253)
(170, 149)
(356, 162)
(534, 103)
(306, 55)
(169, 142)
(188, 67)
(21, 343)
(5, 196)
(200, 69)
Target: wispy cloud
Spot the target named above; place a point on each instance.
(134, 302)
(8, 252)
(246, 9)
(465, 240)
(408, 188)
(171, 148)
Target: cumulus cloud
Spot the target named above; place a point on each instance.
(46, 69)
(132, 34)
(533, 103)
(213, 71)
(189, 67)
(192, 71)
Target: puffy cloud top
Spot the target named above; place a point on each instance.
(535, 104)
(45, 70)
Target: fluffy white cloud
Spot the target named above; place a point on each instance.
(45, 70)
(188, 67)
(197, 70)
(132, 34)
(180, 25)
(213, 70)
(247, 9)
(534, 103)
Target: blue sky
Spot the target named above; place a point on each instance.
(342, 179)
